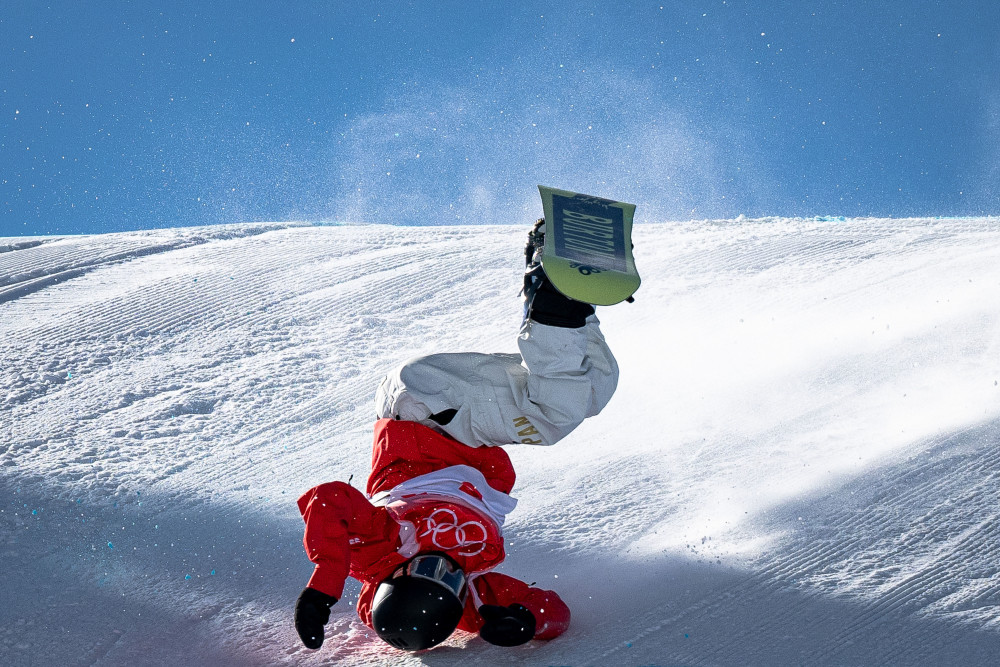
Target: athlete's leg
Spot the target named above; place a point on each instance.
(561, 377)
(563, 374)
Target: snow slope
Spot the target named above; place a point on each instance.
(800, 466)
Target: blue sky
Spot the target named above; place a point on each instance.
(131, 115)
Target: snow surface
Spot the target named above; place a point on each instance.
(800, 466)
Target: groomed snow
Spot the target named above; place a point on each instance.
(800, 466)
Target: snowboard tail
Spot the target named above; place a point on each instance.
(588, 247)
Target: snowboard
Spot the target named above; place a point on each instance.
(587, 253)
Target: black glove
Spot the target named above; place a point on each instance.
(507, 626)
(312, 611)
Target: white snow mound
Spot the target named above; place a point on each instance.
(800, 466)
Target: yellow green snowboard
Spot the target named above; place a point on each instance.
(588, 247)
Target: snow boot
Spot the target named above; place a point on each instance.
(543, 303)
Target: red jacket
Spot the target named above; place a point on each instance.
(346, 535)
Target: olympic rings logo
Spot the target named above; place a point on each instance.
(448, 534)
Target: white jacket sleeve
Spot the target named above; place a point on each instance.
(560, 377)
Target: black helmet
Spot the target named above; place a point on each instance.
(420, 604)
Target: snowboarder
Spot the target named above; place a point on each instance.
(428, 530)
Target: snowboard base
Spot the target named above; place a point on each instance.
(588, 247)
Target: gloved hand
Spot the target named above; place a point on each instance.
(312, 611)
(507, 626)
